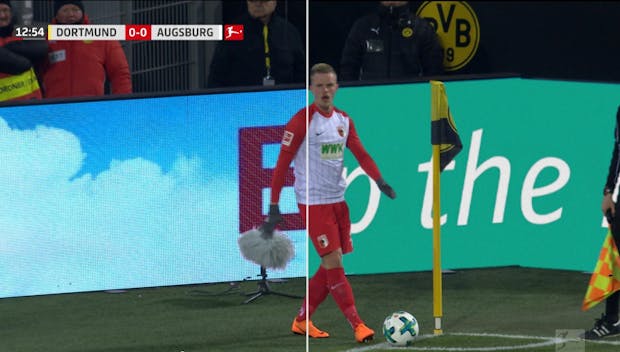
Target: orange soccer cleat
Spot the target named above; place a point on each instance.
(299, 328)
(363, 333)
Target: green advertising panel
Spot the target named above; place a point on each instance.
(525, 190)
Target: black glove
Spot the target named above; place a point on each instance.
(385, 188)
(274, 217)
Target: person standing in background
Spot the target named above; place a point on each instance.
(270, 53)
(391, 43)
(18, 80)
(609, 324)
(81, 68)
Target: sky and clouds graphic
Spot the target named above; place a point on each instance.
(129, 193)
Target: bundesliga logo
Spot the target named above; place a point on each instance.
(233, 32)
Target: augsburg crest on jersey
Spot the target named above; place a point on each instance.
(341, 130)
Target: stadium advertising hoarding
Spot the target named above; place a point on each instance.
(152, 192)
(525, 190)
(131, 193)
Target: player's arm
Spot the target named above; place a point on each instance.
(294, 134)
(366, 162)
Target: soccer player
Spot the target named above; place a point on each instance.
(319, 188)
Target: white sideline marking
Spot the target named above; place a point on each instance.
(547, 341)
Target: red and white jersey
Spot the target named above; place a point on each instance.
(318, 156)
(325, 141)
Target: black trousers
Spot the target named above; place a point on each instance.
(611, 304)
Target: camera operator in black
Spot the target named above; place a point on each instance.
(392, 43)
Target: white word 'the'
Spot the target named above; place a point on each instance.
(474, 169)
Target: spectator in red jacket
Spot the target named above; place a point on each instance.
(81, 68)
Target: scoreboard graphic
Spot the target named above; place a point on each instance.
(145, 32)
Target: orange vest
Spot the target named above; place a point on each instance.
(19, 87)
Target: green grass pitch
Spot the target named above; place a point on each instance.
(503, 309)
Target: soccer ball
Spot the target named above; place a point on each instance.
(400, 328)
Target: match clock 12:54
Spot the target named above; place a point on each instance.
(31, 32)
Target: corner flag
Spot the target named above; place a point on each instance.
(443, 129)
(605, 279)
(446, 145)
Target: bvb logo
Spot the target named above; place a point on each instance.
(407, 32)
(457, 26)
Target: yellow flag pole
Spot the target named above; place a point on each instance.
(437, 287)
(437, 284)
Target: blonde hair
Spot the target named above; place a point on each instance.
(322, 68)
